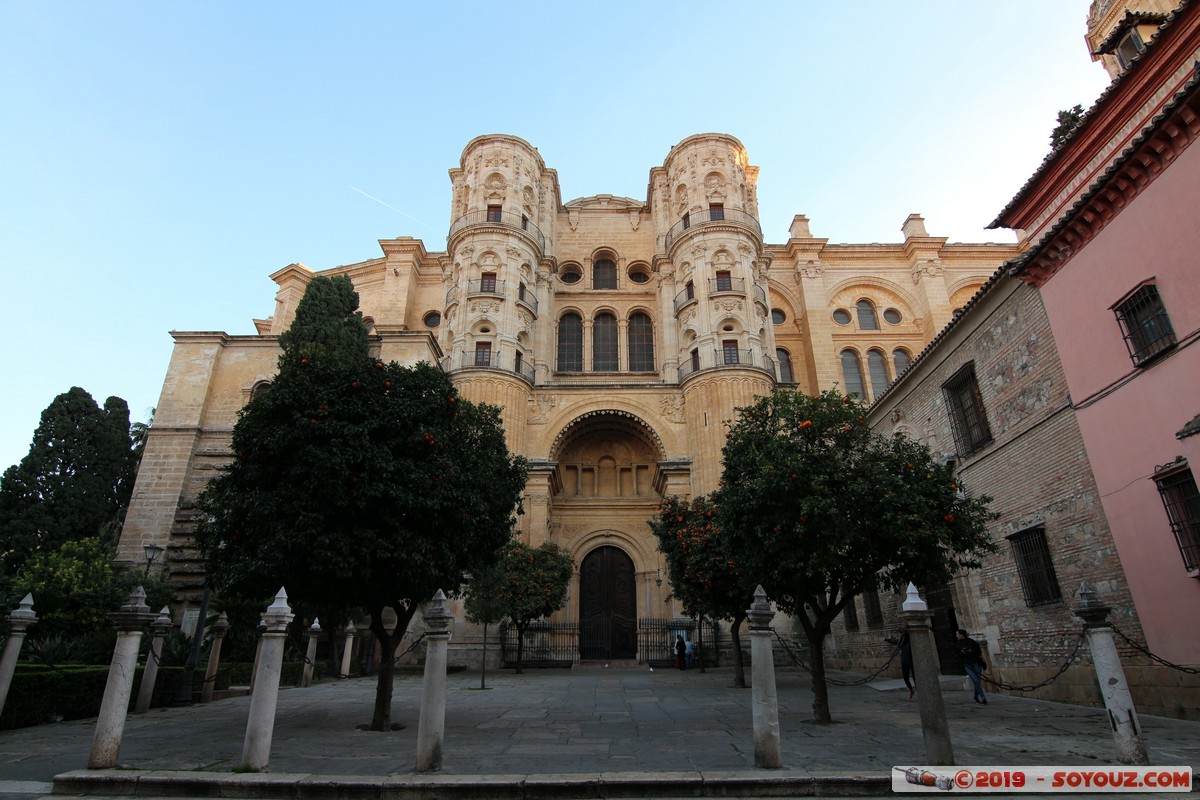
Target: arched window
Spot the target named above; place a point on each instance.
(641, 343)
(852, 374)
(901, 360)
(604, 274)
(866, 316)
(604, 343)
(260, 388)
(877, 369)
(785, 365)
(570, 343)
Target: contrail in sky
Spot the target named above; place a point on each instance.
(393, 208)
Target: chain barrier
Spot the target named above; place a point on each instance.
(1033, 686)
(1142, 648)
(834, 681)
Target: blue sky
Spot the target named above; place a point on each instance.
(159, 160)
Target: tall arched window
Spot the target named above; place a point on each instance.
(877, 369)
(604, 274)
(852, 374)
(866, 316)
(641, 343)
(604, 343)
(785, 365)
(570, 343)
(901, 360)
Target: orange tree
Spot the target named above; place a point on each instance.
(357, 483)
(705, 577)
(819, 508)
(526, 583)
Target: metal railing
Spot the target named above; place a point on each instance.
(699, 219)
(562, 644)
(489, 287)
(451, 295)
(656, 641)
(525, 297)
(508, 219)
(684, 298)
(487, 359)
(725, 359)
(721, 285)
(760, 294)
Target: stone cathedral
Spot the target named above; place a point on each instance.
(618, 336)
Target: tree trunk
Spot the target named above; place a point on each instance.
(483, 667)
(700, 642)
(381, 718)
(816, 654)
(739, 669)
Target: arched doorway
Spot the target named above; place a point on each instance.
(607, 605)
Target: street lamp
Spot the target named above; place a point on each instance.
(152, 552)
(658, 579)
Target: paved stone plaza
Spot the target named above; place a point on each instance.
(573, 722)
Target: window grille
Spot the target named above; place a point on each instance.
(570, 343)
(641, 343)
(1144, 324)
(604, 343)
(872, 609)
(1035, 567)
(1177, 488)
(852, 374)
(604, 274)
(966, 411)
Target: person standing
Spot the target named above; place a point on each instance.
(906, 659)
(972, 658)
(680, 652)
(689, 654)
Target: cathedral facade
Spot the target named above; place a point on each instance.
(617, 335)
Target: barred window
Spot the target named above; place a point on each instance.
(852, 374)
(872, 609)
(604, 274)
(1035, 567)
(1144, 324)
(966, 411)
(570, 343)
(850, 616)
(604, 343)
(877, 368)
(785, 365)
(866, 315)
(1177, 488)
(641, 343)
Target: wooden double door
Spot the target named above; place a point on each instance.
(607, 605)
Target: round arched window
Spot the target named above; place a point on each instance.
(570, 274)
(892, 316)
(777, 316)
(432, 319)
(841, 316)
(639, 276)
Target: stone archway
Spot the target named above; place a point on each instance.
(607, 605)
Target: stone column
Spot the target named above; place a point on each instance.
(219, 629)
(310, 658)
(256, 753)
(433, 695)
(348, 651)
(20, 619)
(262, 628)
(939, 751)
(762, 671)
(1122, 716)
(130, 621)
(160, 626)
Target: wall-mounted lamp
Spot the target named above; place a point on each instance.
(658, 578)
(151, 552)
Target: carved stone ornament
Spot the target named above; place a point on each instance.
(466, 251)
(931, 268)
(513, 252)
(496, 183)
(744, 248)
(573, 218)
(484, 307)
(687, 316)
(496, 160)
(897, 415)
(671, 408)
(811, 269)
(635, 218)
(699, 250)
(713, 157)
(542, 405)
(729, 305)
(526, 320)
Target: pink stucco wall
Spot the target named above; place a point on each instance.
(1131, 430)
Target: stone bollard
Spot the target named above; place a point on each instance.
(219, 629)
(256, 753)
(1122, 716)
(939, 751)
(130, 621)
(160, 626)
(310, 658)
(762, 682)
(348, 652)
(20, 619)
(433, 688)
(262, 628)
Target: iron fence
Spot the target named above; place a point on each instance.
(561, 644)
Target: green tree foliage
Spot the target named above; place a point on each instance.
(525, 584)
(357, 483)
(1067, 121)
(75, 587)
(821, 508)
(705, 576)
(75, 482)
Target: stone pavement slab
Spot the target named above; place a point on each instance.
(597, 722)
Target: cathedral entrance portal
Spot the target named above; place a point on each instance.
(607, 605)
